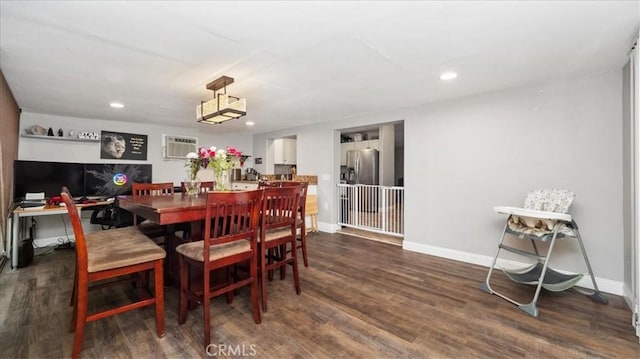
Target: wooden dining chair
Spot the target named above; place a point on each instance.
(230, 238)
(149, 228)
(277, 242)
(112, 254)
(151, 189)
(301, 221)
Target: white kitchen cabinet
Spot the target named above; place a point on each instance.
(244, 186)
(375, 144)
(284, 151)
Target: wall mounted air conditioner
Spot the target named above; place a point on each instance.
(178, 146)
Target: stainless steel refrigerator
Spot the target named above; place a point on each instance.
(362, 168)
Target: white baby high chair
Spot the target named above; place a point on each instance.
(544, 218)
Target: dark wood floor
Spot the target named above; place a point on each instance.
(360, 299)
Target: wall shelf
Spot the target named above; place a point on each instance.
(65, 138)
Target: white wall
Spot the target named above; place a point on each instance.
(399, 164)
(628, 183)
(315, 155)
(51, 229)
(465, 156)
(387, 155)
(89, 152)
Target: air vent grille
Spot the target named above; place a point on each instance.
(179, 146)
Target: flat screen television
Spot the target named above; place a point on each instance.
(108, 179)
(47, 177)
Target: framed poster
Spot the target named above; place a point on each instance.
(123, 146)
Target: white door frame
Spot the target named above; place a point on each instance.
(634, 103)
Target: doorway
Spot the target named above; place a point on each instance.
(370, 191)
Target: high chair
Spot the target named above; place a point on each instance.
(544, 218)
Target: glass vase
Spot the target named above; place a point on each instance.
(192, 187)
(222, 180)
(191, 184)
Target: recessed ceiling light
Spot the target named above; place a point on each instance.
(249, 123)
(116, 105)
(448, 76)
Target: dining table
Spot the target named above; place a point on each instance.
(170, 210)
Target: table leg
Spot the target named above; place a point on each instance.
(172, 270)
(15, 225)
(170, 248)
(195, 232)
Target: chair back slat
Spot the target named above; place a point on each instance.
(151, 189)
(78, 231)
(304, 186)
(302, 212)
(279, 207)
(231, 216)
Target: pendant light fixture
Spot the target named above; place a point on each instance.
(222, 107)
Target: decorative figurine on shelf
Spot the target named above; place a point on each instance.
(37, 130)
(72, 134)
(60, 133)
(50, 132)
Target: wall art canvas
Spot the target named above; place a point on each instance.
(123, 146)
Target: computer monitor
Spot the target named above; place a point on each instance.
(47, 177)
(107, 179)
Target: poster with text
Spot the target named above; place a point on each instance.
(123, 146)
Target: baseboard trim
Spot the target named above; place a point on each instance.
(328, 227)
(605, 285)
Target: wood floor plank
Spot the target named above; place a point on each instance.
(360, 299)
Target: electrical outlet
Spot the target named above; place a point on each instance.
(326, 205)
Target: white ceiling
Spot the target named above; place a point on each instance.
(296, 63)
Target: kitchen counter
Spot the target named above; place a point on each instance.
(248, 185)
(298, 178)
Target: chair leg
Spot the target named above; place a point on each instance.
(254, 290)
(74, 314)
(263, 280)
(282, 255)
(596, 295)
(74, 302)
(206, 306)
(81, 317)
(75, 287)
(229, 281)
(159, 294)
(296, 279)
(269, 258)
(303, 239)
(182, 299)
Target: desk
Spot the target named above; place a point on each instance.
(169, 210)
(20, 213)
